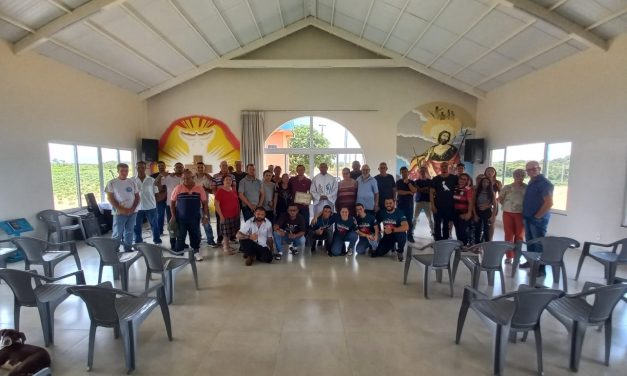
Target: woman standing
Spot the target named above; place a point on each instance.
(282, 196)
(485, 203)
(511, 198)
(227, 207)
(464, 203)
(490, 173)
(269, 188)
(346, 193)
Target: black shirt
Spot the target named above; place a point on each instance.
(423, 183)
(292, 226)
(404, 201)
(386, 186)
(444, 189)
(355, 174)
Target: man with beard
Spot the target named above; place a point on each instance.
(255, 238)
(290, 228)
(395, 228)
(367, 229)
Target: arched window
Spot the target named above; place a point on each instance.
(311, 140)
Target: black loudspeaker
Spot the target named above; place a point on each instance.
(474, 150)
(150, 150)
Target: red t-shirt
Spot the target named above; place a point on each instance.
(229, 203)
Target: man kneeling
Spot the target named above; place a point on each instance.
(255, 238)
(395, 228)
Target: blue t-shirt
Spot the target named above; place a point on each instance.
(394, 219)
(322, 223)
(366, 190)
(537, 189)
(366, 224)
(343, 227)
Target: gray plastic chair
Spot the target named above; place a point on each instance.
(553, 249)
(6, 252)
(577, 315)
(166, 266)
(122, 311)
(609, 259)
(491, 261)
(40, 252)
(55, 222)
(45, 296)
(439, 260)
(121, 262)
(508, 314)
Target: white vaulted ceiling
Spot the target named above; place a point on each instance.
(148, 46)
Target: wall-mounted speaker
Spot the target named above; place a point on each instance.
(150, 150)
(474, 150)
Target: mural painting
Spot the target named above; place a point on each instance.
(432, 134)
(197, 137)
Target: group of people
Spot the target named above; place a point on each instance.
(373, 214)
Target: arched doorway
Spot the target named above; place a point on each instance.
(311, 140)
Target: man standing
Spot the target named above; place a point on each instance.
(239, 174)
(170, 182)
(161, 196)
(323, 189)
(204, 180)
(386, 185)
(300, 183)
(395, 228)
(123, 195)
(147, 204)
(405, 190)
(290, 228)
(218, 180)
(423, 201)
(442, 203)
(187, 201)
(356, 171)
(255, 238)
(367, 229)
(367, 191)
(537, 204)
(460, 169)
(250, 192)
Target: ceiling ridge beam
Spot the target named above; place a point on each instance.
(140, 20)
(333, 13)
(523, 61)
(252, 15)
(422, 34)
(204, 68)
(607, 19)
(399, 59)
(557, 5)
(48, 30)
(400, 14)
(215, 8)
(363, 28)
(278, 5)
(308, 63)
(192, 25)
(571, 28)
(16, 23)
(493, 48)
(463, 34)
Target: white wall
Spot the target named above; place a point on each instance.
(384, 95)
(42, 100)
(582, 99)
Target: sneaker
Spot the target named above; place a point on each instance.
(400, 256)
(291, 249)
(294, 251)
(410, 239)
(349, 252)
(249, 260)
(329, 254)
(524, 265)
(277, 256)
(212, 243)
(198, 256)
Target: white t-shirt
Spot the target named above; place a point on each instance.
(264, 231)
(147, 190)
(170, 182)
(123, 191)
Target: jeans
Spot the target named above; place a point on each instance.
(409, 215)
(387, 242)
(161, 207)
(338, 242)
(363, 244)
(189, 226)
(442, 219)
(278, 241)
(208, 232)
(123, 226)
(482, 228)
(461, 229)
(426, 207)
(535, 228)
(151, 215)
(252, 248)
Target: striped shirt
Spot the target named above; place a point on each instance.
(188, 201)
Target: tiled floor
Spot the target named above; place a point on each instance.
(312, 315)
